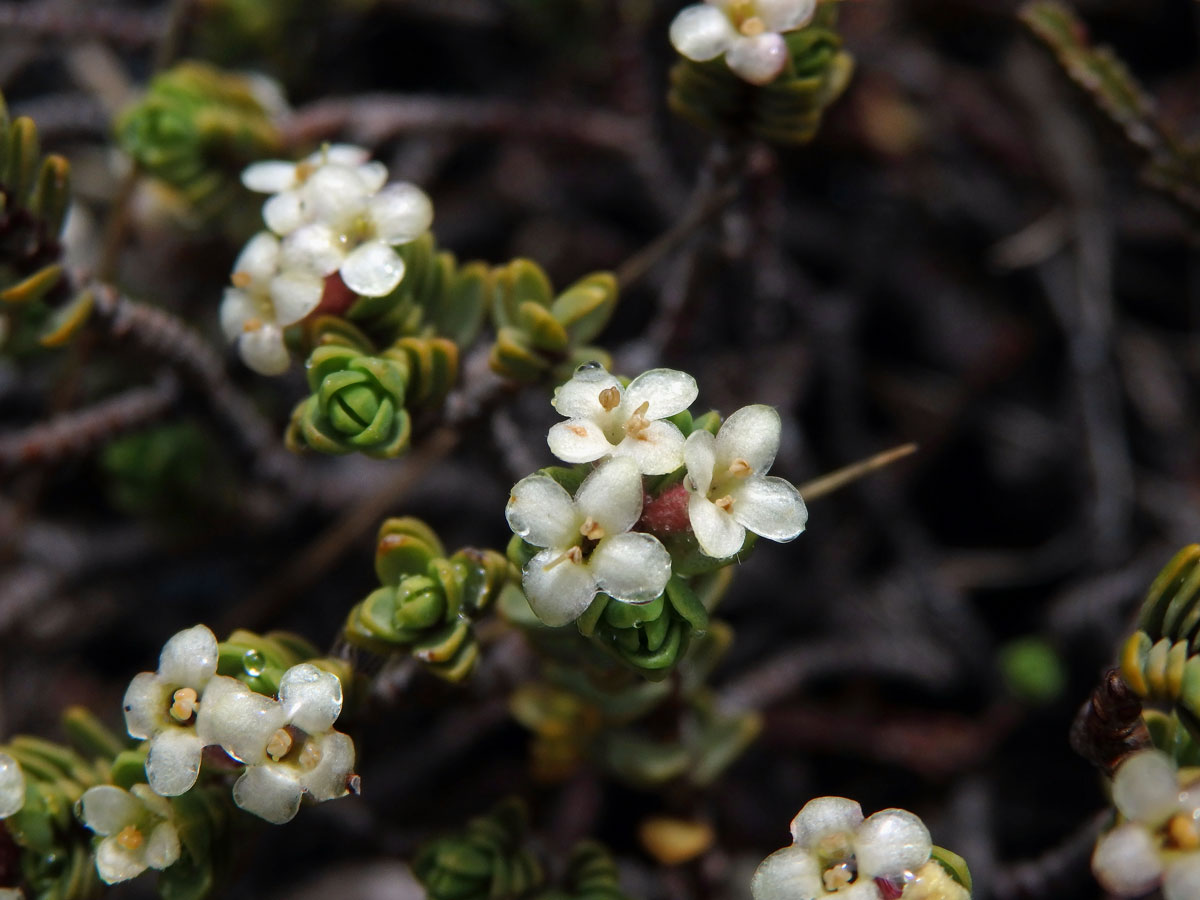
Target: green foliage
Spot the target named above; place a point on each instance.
(427, 601)
(591, 875)
(360, 402)
(955, 865)
(1168, 164)
(543, 336)
(1033, 670)
(34, 194)
(486, 861)
(786, 111)
(196, 129)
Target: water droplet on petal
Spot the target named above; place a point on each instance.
(254, 663)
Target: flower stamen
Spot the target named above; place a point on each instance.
(725, 503)
(591, 529)
(130, 838)
(838, 877)
(1182, 832)
(636, 424)
(571, 555)
(241, 279)
(310, 756)
(252, 325)
(739, 468)
(279, 744)
(610, 398)
(753, 27)
(183, 704)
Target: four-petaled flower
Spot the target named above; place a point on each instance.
(137, 827)
(163, 707)
(587, 541)
(12, 786)
(1159, 843)
(288, 745)
(265, 298)
(837, 853)
(728, 490)
(605, 419)
(748, 32)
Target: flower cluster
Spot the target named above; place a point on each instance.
(1158, 844)
(835, 852)
(748, 32)
(137, 828)
(287, 744)
(607, 536)
(333, 223)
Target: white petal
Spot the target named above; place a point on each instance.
(558, 591)
(12, 786)
(106, 809)
(758, 59)
(668, 391)
(716, 531)
(1126, 861)
(751, 434)
(825, 816)
(269, 177)
(340, 155)
(770, 507)
(542, 512)
(700, 457)
(612, 495)
(702, 32)
(237, 308)
(579, 398)
(259, 258)
(786, 15)
(401, 213)
(263, 350)
(158, 805)
(372, 270)
(327, 781)
(632, 567)
(1146, 788)
(862, 889)
(334, 194)
(1183, 879)
(295, 294)
(146, 702)
(788, 874)
(269, 792)
(189, 658)
(314, 248)
(311, 697)
(578, 441)
(372, 175)
(656, 450)
(284, 213)
(162, 847)
(890, 843)
(115, 863)
(173, 761)
(238, 719)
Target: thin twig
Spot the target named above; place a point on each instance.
(827, 484)
(132, 28)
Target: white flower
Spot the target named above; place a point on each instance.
(748, 32)
(353, 226)
(287, 745)
(589, 547)
(138, 828)
(728, 490)
(605, 419)
(162, 706)
(836, 852)
(1134, 858)
(265, 298)
(12, 786)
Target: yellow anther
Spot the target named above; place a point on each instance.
(1182, 832)
(310, 756)
(304, 170)
(610, 398)
(753, 27)
(183, 704)
(252, 325)
(130, 838)
(591, 529)
(837, 877)
(739, 468)
(637, 423)
(279, 744)
(725, 503)
(572, 555)
(241, 279)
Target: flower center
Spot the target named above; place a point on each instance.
(591, 529)
(310, 756)
(739, 468)
(183, 704)
(279, 744)
(304, 170)
(753, 27)
(241, 279)
(130, 838)
(838, 876)
(1181, 831)
(252, 325)
(610, 398)
(571, 555)
(725, 503)
(638, 423)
